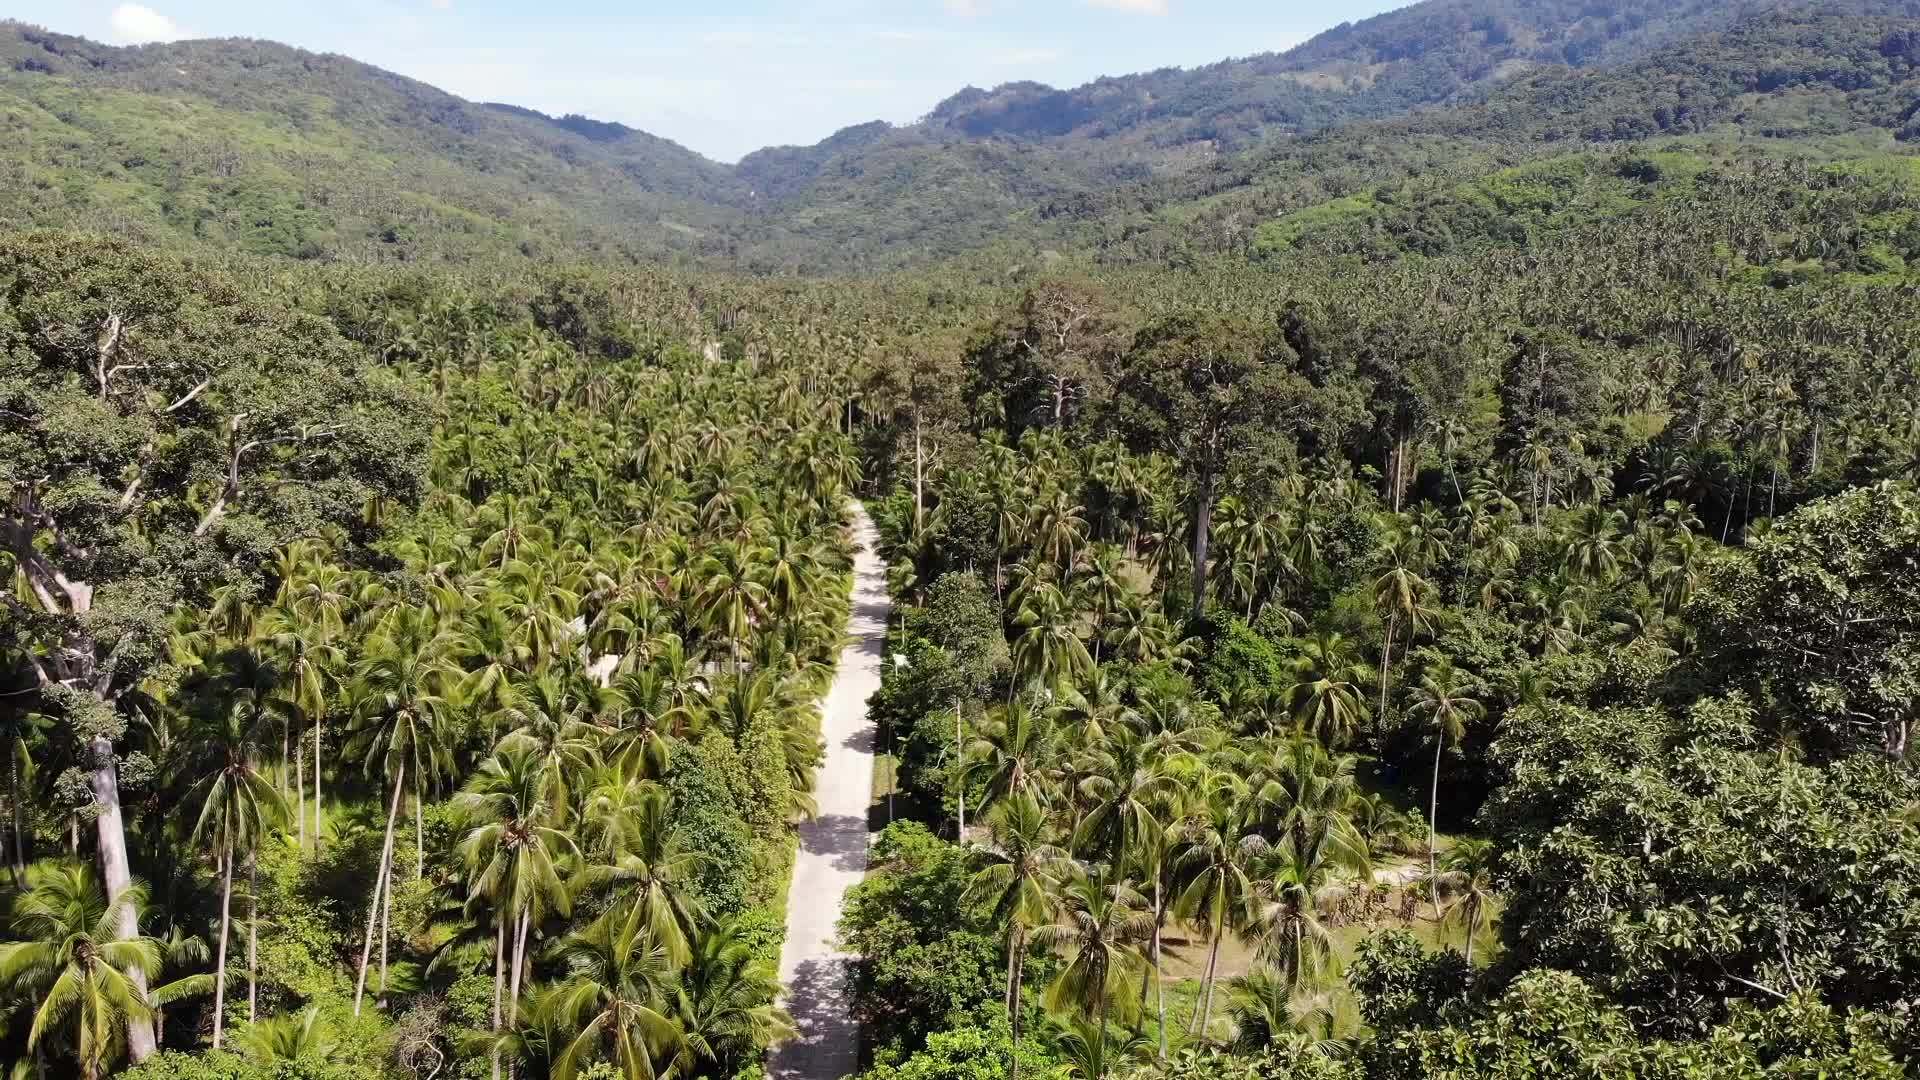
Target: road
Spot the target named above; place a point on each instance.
(833, 846)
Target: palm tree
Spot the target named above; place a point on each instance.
(512, 855)
(725, 1004)
(651, 870)
(732, 599)
(1104, 924)
(1325, 695)
(1445, 698)
(1102, 588)
(401, 726)
(1269, 1010)
(67, 955)
(1593, 546)
(1469, 878)
(1400, 593)
(1124, 779)
(1300, 789)
(1214, 854)
(1296, 884)
(616, 998)
(237, 805)
(286, 1038)
(550, 717)
(1085, 1048)
(1013, 749)
(303, 646)
(1022, 866)
(1049, 645)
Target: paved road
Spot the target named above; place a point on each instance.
(833, 846)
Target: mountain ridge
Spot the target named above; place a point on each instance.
(267, 147)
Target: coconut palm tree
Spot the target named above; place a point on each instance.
(650, 868)
(512, 855)
(238, 804)
(1049, 645)
(1215, 852)
(1444, 699)
(402, 727)
(288, 1037)
(1297, 881)
(616, 1000)
(1013, 748)
(1469, 879)
(1325, 696)
(1269, 1011)
(66, 958)
(1401, 595)
(1101, 589)
(1123, 781)
(1103, 922)
(724, 1004)
(1085, 1049)
(732, 599)
(1022, 866)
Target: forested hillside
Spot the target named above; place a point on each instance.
(254, 147)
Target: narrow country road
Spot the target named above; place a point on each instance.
(833, 846)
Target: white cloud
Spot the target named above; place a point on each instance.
(965, 8)
(137, 24)
(1137, 7)
(441, 5)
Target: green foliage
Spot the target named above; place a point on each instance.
(1401, 985)
(219, 1065)
(710, 817)
(1819, 622)
(1549, 1023)
(974, 1051)
(1244, 661)
(1676, 861)
(926, 959)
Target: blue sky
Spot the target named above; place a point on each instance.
(729, 76)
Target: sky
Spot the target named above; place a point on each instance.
(726, 77)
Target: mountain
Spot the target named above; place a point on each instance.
(1814, 82)
(260, 147)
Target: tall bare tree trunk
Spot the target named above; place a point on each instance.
(419, 831)
(1213, 969)
(1386, 666)
(226, 921)
(1016, 949)
(499, 980)
(253, 937)
(1159, 979)
(380, 883)
(117, 875)
(300, 788)
(19, 852)
(959, 761)
(1202, 523)
(319, 826)
(1433, 827)
(1102, 1058)
(519, 960)
(386, 933)
(919, 475)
